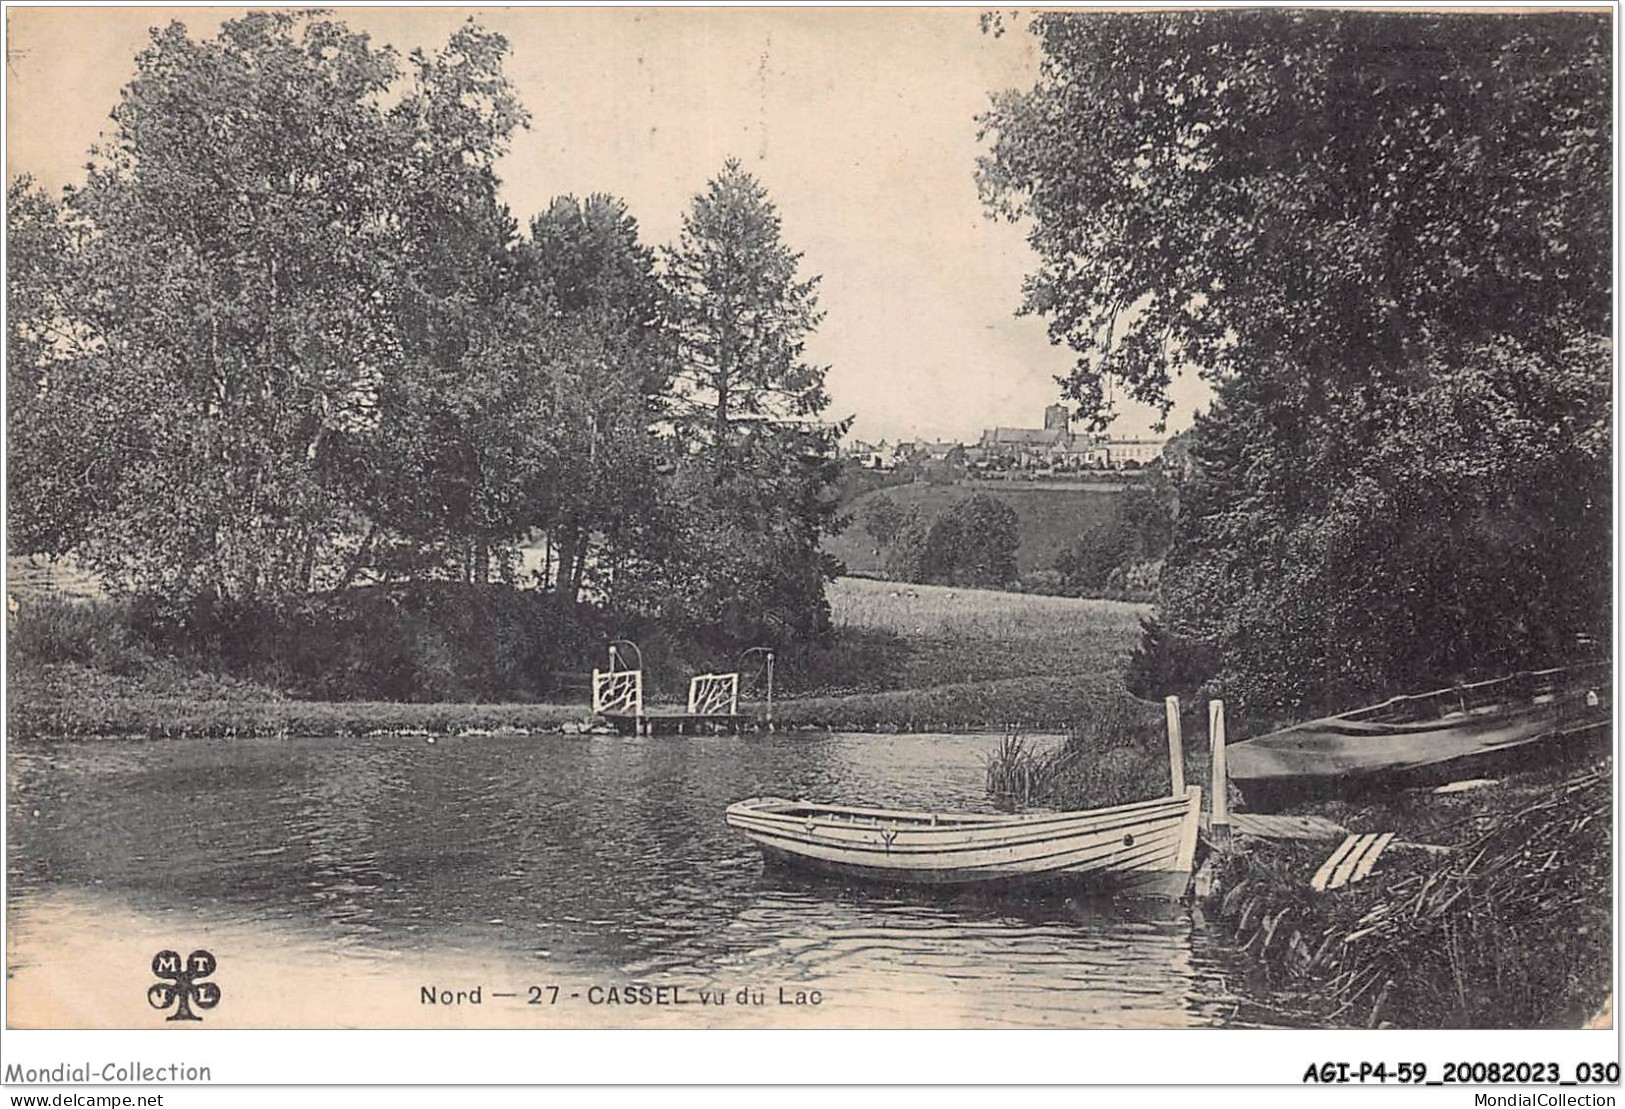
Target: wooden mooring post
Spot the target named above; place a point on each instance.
(1221, 777)
(770, 691)
(1176, 748)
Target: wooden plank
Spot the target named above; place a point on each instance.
(1465, 785)
(1370, 859)
(1189, 830)
(1278, 826)
(1322, 875)
(1340, 876)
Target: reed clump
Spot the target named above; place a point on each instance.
(1508, 928)
(1115, 755)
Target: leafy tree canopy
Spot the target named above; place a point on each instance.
(1384, 237)
(972, 542)
(739, 313)
(882, 518)
(1337, 190)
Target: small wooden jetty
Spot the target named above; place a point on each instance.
(679, 723)
(1286, 826)
(713, 699)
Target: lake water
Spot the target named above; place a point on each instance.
(334, 880)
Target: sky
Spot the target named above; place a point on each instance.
(860, 123)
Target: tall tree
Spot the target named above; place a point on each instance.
(1384, 238)
(752, 492)
(65, 437)
(597, 282)
(242, 224)
(454, 449)
(739, 314)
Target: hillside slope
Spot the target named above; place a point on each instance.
(1050, 519)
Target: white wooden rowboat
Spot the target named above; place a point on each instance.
(1146, 848)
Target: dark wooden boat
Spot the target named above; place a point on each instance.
(1146, 848)
(1427, 738)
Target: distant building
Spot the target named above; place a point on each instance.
(1141, 452)
(1026, 447)
(925, 450)
(1084, 453)
(1056, 446)
(871, 456)
(1052, 446)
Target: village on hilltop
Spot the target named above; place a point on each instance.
(1053, 448)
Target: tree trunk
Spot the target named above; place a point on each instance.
(357, 559)
(564, 583)
(579, 572)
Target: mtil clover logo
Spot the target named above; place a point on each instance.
(185, 987)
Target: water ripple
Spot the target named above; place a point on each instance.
(612, 853)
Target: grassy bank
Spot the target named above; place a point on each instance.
(1493, 909)
(902, 658)
(77, 701)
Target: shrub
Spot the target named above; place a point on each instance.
(1043, 581)
(1164, 664)
(422, 642)
(49, 629)
(882, 519)
(973, 542)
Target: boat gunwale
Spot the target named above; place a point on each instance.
(927, 821)
(1358, 714)
(799, 833)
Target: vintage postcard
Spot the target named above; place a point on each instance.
(902, 518)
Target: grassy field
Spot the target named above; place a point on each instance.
(1049, 518)
(953, 659)
(950, 635)
(903, 657)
